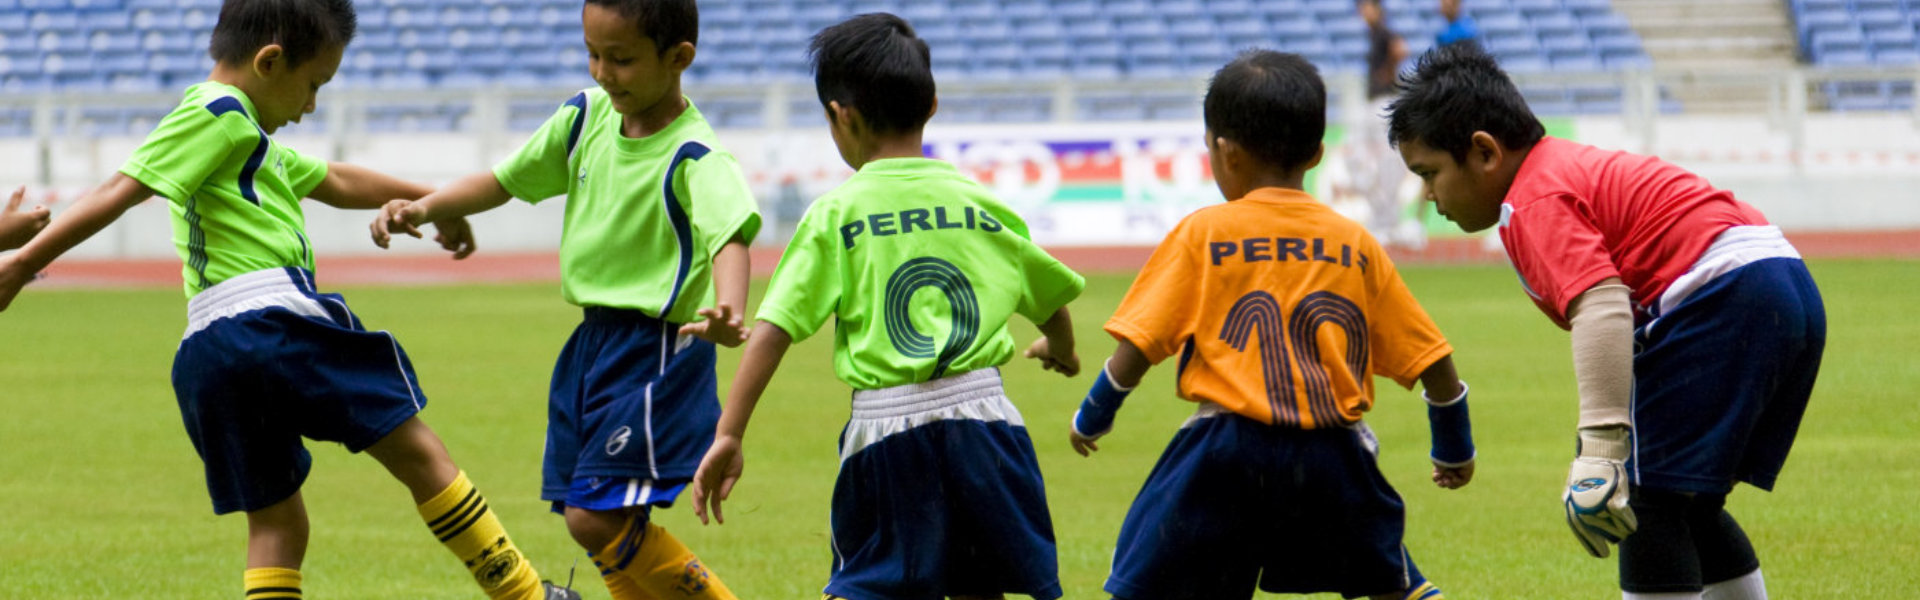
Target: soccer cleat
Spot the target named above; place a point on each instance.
(554, 592)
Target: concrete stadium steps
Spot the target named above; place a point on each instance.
(1700, 38)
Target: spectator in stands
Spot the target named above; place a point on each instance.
(1375, 168)
(1460, 27)
(18, 226)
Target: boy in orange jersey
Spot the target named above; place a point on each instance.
(1281, 311)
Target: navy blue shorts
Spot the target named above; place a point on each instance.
(940, 495)
(267, 361)
(1722, 379)
(1234, 502)
(632, 399)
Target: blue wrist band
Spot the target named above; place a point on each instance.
(1452, 430)
(1101, 404)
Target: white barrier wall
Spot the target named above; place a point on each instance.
(1078, 184)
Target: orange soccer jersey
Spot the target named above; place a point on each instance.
(1281, 310)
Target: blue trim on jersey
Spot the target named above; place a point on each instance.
(682, 227)
(227, 104)
(579, 120)
(196, 242)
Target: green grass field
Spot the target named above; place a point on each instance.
(101, 493)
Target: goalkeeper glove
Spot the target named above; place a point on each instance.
(1596, 496)
(1095, 416)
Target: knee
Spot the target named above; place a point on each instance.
(596, 529)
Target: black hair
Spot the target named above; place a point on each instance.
(875, 64)
(666, 22)
(1454, 91)
(301, 27)
(1271, 103)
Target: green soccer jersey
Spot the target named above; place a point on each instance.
(644, 215)
(921, 267)
(234, 193)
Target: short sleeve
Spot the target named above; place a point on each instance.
(540, 168)
(1158, 314)
(303, 172)
(1050, 284)
(186, 147)
(1557, 249)
(1403, 339)
(806, 286)
(722, 206)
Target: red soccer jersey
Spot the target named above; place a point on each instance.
(1281, 310)
(1577, 214)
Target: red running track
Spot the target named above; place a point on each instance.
(535, 267)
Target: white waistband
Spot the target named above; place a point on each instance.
(920, 397)
(1734, 248)
(249, 292)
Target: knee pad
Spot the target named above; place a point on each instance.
(1659, 557)
(1724, 550)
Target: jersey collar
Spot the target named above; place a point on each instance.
(1279, 195)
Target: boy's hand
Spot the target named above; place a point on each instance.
(1452, 478)
(1065, 363)
(13, 276)
(455, 235)
(397, 216)
(1082, 444)
(720, 326)
(713, 482)
(18, 226)
(1597, 490)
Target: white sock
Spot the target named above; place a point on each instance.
(1661, 596)
(1745, 587)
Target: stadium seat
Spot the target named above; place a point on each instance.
(414, 44)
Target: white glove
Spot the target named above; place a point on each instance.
(1596, 496)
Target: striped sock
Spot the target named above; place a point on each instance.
(272, 583)
(460, 518)
(618, 584)
(659, 565)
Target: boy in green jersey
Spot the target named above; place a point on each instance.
(657, 221)
(266, 359)
(17, 226)
(939, 494)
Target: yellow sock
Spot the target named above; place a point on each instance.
(272, 583)
(658, 565)
(460, 518)
(621, 586)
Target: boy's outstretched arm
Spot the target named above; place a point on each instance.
(476, 193)
(1055, 348)
(722, 466)
(1447, 419)
(1095, 417)
(18, 226)
(355, 187)
(723, 324)
(93, 212)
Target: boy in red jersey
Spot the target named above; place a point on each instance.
(1697, 331)
(1281, 312)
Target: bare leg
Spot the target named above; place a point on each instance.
(594, 530)
(277, 535)
(416, 457)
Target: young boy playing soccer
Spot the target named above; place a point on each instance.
(1697, 331)
(1281, 312)
(939, 493)
(657, 221)
(266, 359)
(17, 226)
